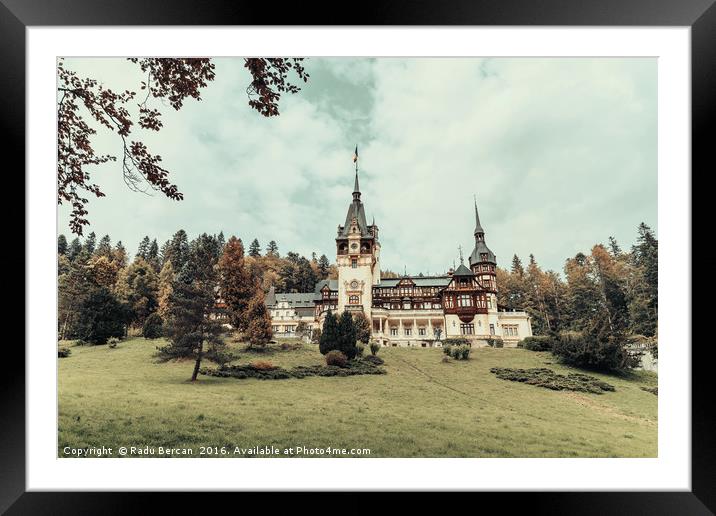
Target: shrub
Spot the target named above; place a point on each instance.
(459, 352)
(113, 341)
(374, 348)
(495, 342)
(652, 390)
(536, 343)
(465, 352)
(355, 367)
(543, 377)
(458, 341)
(375, 360)
(263, 365)
(63, 352)
(336, 358)
(595, 350)
(447, 349)
(328, 340)
(360, 349)
(153, 327)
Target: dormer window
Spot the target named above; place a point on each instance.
(483, 257)
(354, 263)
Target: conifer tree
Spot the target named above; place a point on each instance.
(236, 285)
(74, 250)
(190, 329)
(178, 250)
(104, 248)
(259, 329)
(90, 243)
(614, 247)
(255, 248)
(272, 249)
(100, 316)
(120, 255)
(143, 249)
(323, 266)
(362, 327)
(347, 335)
(329, 334)
(62, 246)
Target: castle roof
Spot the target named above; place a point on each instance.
(462, 271)
(355, 210)
(420, 281)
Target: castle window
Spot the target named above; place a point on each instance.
(483, 257)
(406, 305)
(464, 300)
(492, 329)
(421, 331)
(354, 263)
(489, 301)
(394, 332)
(408, 332)
(467, 329)
(353, 300)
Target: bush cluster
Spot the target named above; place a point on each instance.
(536, 343)
(374, 348)
(458, 352)
(547, 378)
(458, 341)
(113, 341)
(595, 350)
(153, 327)
(63, 352)
(353, 367)
(495, 342)
(336, 358)
(373, 359)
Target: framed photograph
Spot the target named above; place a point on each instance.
(419, 252)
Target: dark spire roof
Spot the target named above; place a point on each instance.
(480, 246)
(478, 227)
(355, 210)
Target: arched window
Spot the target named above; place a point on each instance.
(353, 300)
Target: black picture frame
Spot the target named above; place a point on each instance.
(700, 15)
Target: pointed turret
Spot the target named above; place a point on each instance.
(356, 189)
(481, 253)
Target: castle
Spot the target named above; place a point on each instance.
(407, 311)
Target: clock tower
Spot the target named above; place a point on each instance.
(357, 258)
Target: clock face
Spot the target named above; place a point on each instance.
(354, 284)
(354, 246)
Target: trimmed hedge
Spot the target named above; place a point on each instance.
(543, 377)
(373, 359)
(353, 367)
(495, 342)
(536, 343)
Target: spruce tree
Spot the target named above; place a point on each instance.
(255, 248)
(105, 247)
(62, 245)
(362, 327)
(236, 285)
(100, 316)
(74, 250)
(347, 335)
(329, 334)
(614, 247)
(143, 249)
(323, 266)
(178, 250)
(272, 249)
(189, 327)
(258, 331)
(90, 243)
(138, 286)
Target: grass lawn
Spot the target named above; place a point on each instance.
(420, 408)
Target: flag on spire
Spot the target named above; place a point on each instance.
(355, 155)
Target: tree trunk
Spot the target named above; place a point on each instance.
(199, 355)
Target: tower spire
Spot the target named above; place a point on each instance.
(356, 187)
(478, 227)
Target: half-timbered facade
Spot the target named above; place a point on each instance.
(414, 311)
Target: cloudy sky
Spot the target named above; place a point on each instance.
(560, 153)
